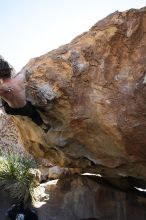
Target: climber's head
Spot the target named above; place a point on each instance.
(5, 69)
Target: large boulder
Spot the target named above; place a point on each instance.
(80, 198)
(92, 91)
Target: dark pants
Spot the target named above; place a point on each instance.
(28, 110)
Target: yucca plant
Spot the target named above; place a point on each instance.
(15, 178)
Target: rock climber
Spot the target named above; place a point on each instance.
(12, 93)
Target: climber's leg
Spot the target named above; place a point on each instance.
(28, 110)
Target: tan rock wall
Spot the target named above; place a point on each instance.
(92, 91)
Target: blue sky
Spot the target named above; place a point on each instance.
(30, 28)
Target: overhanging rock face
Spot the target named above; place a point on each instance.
(92, 91)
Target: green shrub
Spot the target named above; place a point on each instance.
(15, 178)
